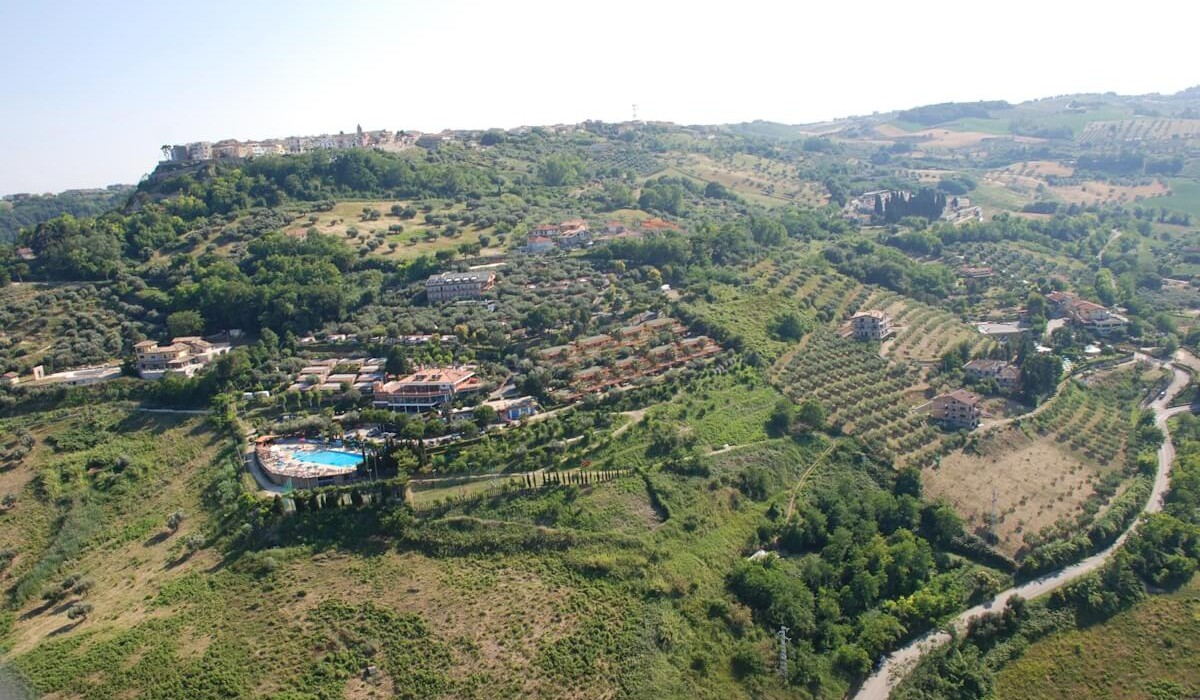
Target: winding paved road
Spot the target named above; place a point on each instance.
(896, 665)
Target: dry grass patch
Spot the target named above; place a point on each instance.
(346, 221)
(1096, 192)
(1036, 483)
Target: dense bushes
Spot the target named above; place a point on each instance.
(857, 576)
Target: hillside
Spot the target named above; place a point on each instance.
(21, 211)
(597, 410)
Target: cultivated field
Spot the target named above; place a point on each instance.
(59, 326)
(950, 139)
(819, 294)
(869, 397)
(1029, 180)
(1094, 192)
(1140, 130)
(760, 180)
(924, 333)
(1035, 481)
(1049, 473)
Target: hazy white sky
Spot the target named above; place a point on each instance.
(90, 90)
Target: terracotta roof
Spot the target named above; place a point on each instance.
(963, 396)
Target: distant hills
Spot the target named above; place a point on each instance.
(18, 211)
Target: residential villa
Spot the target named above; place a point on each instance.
(959, 408)
(1086, 313)
(459, 285)
(426, 389)
(569, 234)
(1006, 375)
(185, 355)
(1098, 318)
(871, 325)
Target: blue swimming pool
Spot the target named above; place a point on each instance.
(329, 458)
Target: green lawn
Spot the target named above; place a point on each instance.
(997, 197)
(985, 125)
(1184, 197)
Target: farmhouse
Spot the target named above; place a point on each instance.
(185, 355)
(459, 285)
(959, 408)
(9, 379)
(538, 244)
(1059, 301)
(1096, 317)
(1006, 375)
(871, 325)
(426, 389)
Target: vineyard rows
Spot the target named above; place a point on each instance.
(1140, 130)
(924, 332)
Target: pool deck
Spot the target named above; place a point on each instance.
(277, 461)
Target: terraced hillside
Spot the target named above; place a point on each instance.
(866, 395)
(923, 332)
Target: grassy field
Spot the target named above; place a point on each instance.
(567, 592)
(1146, 653)
(1094, 192)
(346, 220)
(995, 196)
(1184, 197)
(93, 496)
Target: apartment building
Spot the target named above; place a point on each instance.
(449, 286)
(426, 389)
